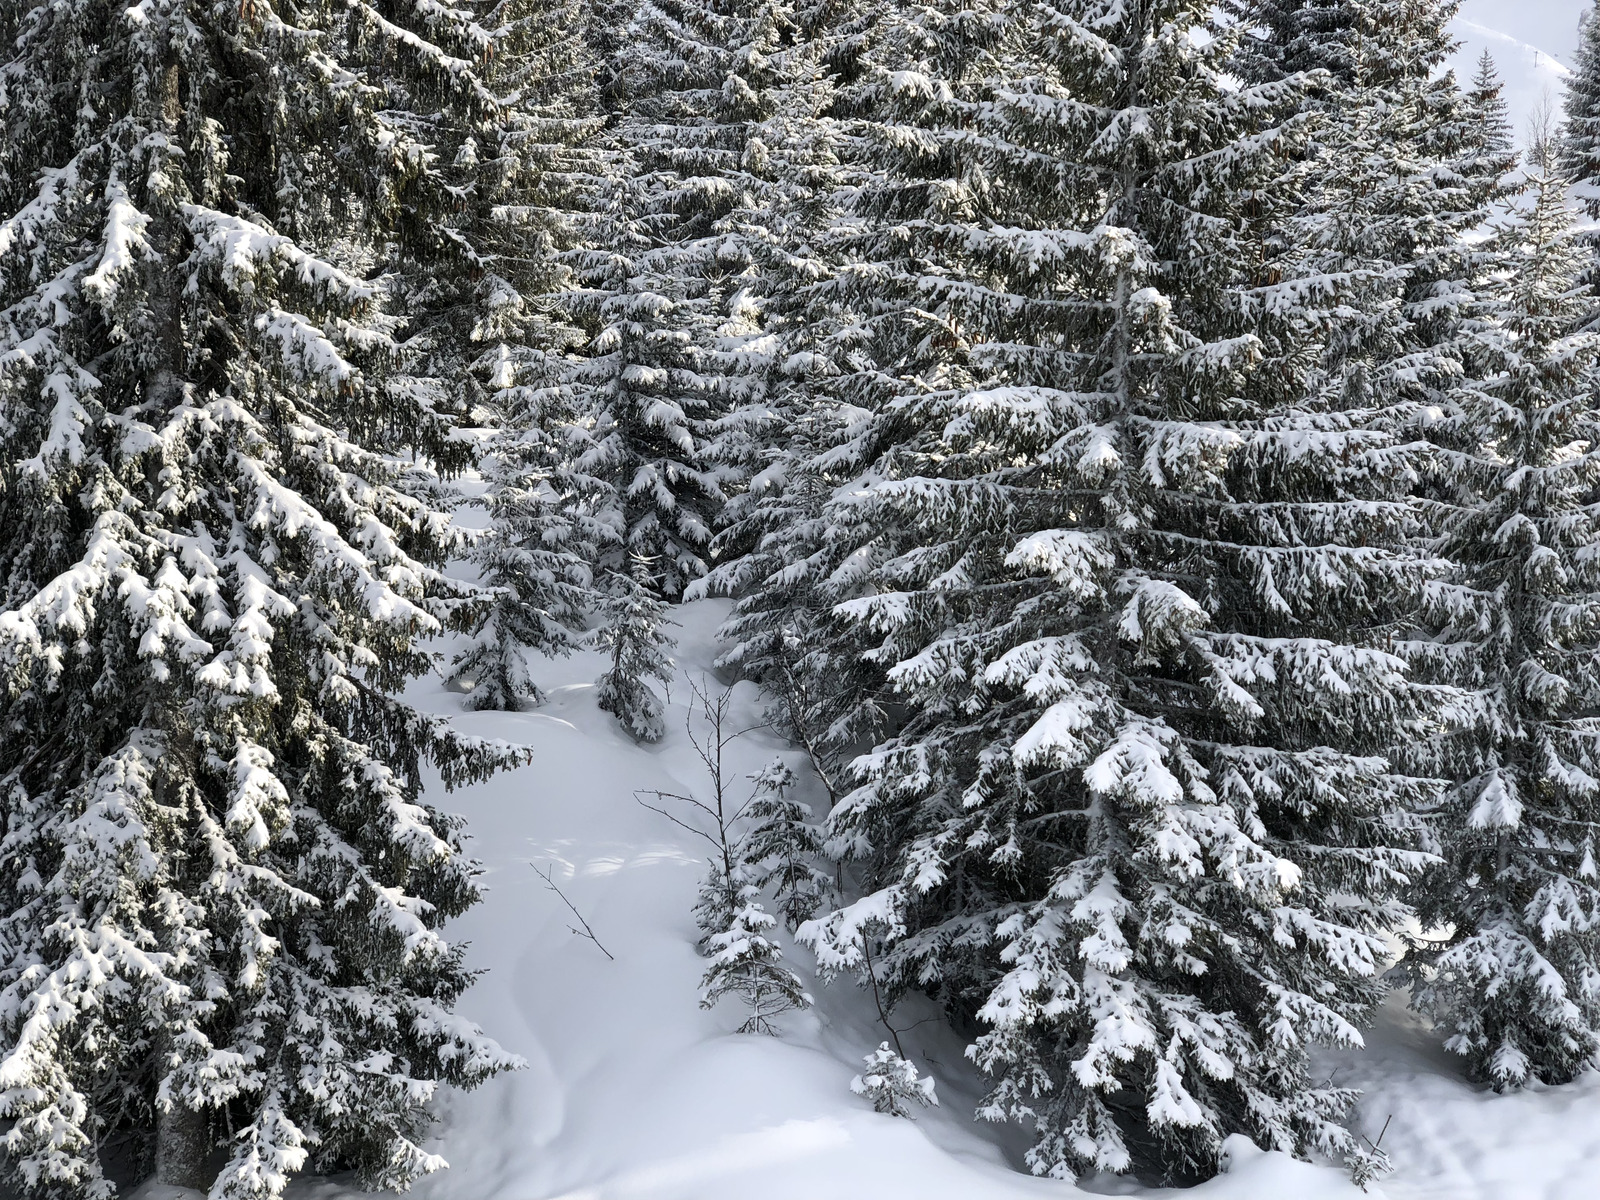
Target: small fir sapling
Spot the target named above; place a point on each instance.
(542, 590)
(892, 1083)
(745, 962)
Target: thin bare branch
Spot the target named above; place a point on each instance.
(681, 824)
(585, 932)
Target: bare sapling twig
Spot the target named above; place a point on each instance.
(744, 961)
(1376, 1145)
(681, 824)
(877, 995)
(585, 932)
(796, 705)
(710, 747)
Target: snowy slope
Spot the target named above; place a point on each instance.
(1454, 1141)
(1532, 42)
(633, 1093)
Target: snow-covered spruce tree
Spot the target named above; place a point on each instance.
(745, 962)
(539, 554)
(633, 635)
(1490, 138)
(1516, 981)
(1579, 144)
(528, 201)
(1281, 38)
(1400, 164)
(773, 351)
(719, 159)
(220, 891)
(893, 1084)
(902, 178)
(641, 432)
(651, 393)
(1133, 570)
(785, 847)
(472, 260)
(1578, 147)
(796, 567)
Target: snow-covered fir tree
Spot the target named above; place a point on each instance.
(643, 422)
(651, 394)
(794, 567)
(1578, 144)
(745, 962)
(531, 198)
(774, 353)
(784, 846)
(221, 889)
(1490, 138)
(719, 146)
(1281, 38)
(1400, 164)
(539, 553)
(1133, 551)
(463, 283)
(893, 1084)
(1516, 979)
(904, 186)
(633, 635)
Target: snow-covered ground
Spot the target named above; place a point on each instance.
(632, 1092)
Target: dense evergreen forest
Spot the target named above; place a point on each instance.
(1151, 448)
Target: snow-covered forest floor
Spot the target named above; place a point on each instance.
(632, 1092)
